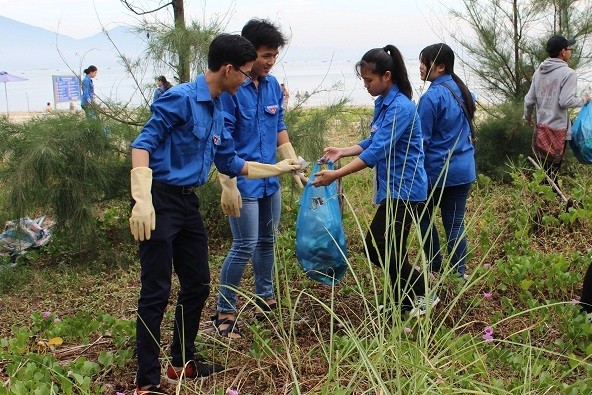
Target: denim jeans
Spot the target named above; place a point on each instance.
(452, 202)
(386, 241)
(253, 237)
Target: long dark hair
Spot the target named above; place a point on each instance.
(165, 84)
(442, 54)
(389, 58)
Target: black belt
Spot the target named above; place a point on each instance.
(172, 188)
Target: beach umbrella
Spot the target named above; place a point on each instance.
(5, 77)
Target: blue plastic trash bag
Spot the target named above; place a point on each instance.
(581, 136)
(320, 239)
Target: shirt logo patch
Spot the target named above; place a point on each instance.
(271, 109)
(216, 139)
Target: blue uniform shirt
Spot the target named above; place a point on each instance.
(395, 149)
(88, 91)
(186, 134)
(158, 92)
(254, 117)
(446, 133)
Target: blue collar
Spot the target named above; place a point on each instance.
(201, 89)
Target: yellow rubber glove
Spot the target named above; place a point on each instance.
(286, 151)
(262, 170)
(230, 200)
(143, 219)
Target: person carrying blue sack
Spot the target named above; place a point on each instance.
(551, 94)
(394, 150)
(446, 111)
(171, 157)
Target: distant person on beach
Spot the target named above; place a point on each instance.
(446, 111)
(552, 94)
(255, 119)
(48, 107)
(88, 93)
(286, 95)
(162, 85)
(171, 158)
(394, 150)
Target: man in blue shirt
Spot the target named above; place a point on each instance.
(255, 119)
(171, 157)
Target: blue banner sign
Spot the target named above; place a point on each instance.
(65, 88)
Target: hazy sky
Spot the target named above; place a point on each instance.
(334, 23)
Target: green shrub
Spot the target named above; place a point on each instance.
(501, 137)
(63, 165)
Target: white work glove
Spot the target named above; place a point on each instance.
(286, 151)
(143, 218)
(262, 170)
(230, 200)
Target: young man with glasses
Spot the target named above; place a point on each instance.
(171, 157)
(552, 92)
(255, 119)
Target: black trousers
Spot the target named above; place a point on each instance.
(586, 299)
(386, 241)
(179, 242)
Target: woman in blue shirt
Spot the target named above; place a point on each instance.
(162, 85)
(87, 102)
(394, 150)
(446, 111)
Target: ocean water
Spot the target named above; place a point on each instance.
(325, 82)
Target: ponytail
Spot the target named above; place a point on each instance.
(399, 71)
(388, 58)
(470, 103)
(90, 69)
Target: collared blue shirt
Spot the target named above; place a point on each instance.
(254, 117)
(395, 149)
(446, 134)
(185, 134)
(88, 91)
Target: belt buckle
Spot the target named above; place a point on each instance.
(187, 190)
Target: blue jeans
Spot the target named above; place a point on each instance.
(253, 237)
(452, 202)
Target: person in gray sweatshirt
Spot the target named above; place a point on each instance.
(553, 92)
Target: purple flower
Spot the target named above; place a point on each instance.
(487, 265)
(46, 314)
(487, 337)
(488, 330)
(487, 295)
(120, 393)
(230, 391)
(56, 319)
(575, 302)
(407, 329)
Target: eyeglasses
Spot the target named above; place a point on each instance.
(242, 72)
(569, 49)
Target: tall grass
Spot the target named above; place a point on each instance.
(527, 253)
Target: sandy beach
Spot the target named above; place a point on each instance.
(23, 116)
